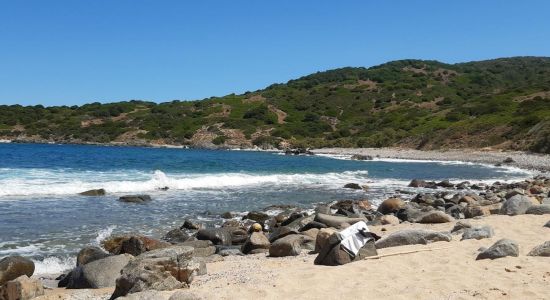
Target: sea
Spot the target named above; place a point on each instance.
(42, 215)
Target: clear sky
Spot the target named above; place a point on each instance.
(77, 51)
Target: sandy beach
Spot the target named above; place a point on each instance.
(520, 159)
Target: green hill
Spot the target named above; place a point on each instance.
(502, 103)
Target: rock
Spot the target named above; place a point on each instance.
(508, 160)
(280, 232)
(257, 240)
(239, 235)
(477, 233)
(460, 226)
(435, 216)
(139, 244)
(417, 183)
(21, 288)
(162, 270)
(291, 245)
(516, 205)
(547, 224)
(455, 211)
(97, 274)
(184, 295)
(312, 233)
(133, 246)
(176, 236)
(541, 250)
(409, 213)
(333, 253)
(353, 186)
(89, 254)
(389, 220)
(412, 237)
(501, 248)
(218, 236)
(135, 198)
(361, 157)
(98, 192)
(391, 205)
(12, 267)
(298, 224)
(230, 251)
(145, 295)
(228, 215)
(257, 216)
(513, 193)
(322, 238)
(541, 209)
(313, 225)
(336, 221)
(468, 199)
(191, 225)
(445, 184)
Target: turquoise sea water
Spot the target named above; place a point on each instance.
(42, 215)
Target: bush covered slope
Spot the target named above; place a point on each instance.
(501, 103)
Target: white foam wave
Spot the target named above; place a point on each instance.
(103, 234)
(51, 183)
(20, 250)
(54, 265)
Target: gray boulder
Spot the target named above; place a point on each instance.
(336, 221)
(218, 236)
(89, 254)
(162, 270)
(256, 241)
(412, 237)
(436, 216)
(97, 274)
(477, 233)
(98, 192)
(291, 245)
(516, 205)
(135, 198)
(501, 248)
(541, 250)
(12, 267)
(460, 226)
(542, 209)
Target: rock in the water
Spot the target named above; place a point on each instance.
(97, 274)
(542, 209)
(256, 241)
(353, 186)
(336, 221)
(445, 184)
(291, 245)
(135, 198)
(98, 192)
(89, 254)
(192, 225)
(391, 205)
(541, 250)
(478, 233)
(218, 236)
(361, 157)
(121, 244)
(412, 237)
(516, 205)
(436, 216)
(176, 236)
(12, 267)
(257, 216)
(417, 183)
(21, 288)
(162, 270)
(501, 248)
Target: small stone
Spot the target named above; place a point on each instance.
(541, 250)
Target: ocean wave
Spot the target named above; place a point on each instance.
(54, 265)
(62, 183)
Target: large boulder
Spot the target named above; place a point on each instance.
(135, 198)
(336, 221)
(477, 233)
(218, 236)
(257, 242)
(412, 237)
(516, 205)
(21, 288)
(257, 216)
(501, 248)
(162, 270)
(436, 216)
(98, 192)
(12, 267)
(322, 239)
(97, 274)
(333, 254)
(89, 254)
(541, 250)
(542, 209)
(391, 205)
(291, 245)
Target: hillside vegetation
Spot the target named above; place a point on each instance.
(501, 103)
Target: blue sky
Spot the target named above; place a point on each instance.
(76, 51)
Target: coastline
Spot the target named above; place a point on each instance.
(523, 160)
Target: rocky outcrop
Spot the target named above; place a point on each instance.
(501, 248)
(12, 267)
(412, 237)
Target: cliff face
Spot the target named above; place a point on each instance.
(502, 103)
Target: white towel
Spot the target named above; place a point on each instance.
(352, 239)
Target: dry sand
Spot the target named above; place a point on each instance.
(449, 272)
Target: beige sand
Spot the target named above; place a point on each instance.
(449, 273)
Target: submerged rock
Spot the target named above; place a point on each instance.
(412, 237)
(98, 192)
(135, 198)
(501, 248)
(353, 186)
(12, 267)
